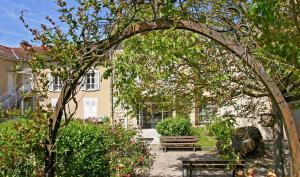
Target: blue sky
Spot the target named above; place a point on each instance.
(12, 30)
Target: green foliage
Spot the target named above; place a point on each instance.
(83, 149)
(174, 126)
(276, 31)
(21, 147)
(223, 128)
(205, 140)
(171, 68)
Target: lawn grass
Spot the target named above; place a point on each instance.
(204, 139)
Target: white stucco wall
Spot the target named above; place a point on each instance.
(296, 113)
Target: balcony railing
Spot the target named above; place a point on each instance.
(10, 98)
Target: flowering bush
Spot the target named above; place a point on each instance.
(83, 149)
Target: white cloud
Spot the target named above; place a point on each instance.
(11, 33)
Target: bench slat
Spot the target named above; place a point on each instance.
(210, 165)
(190, 165)
(179, 141)
(173, 144)
(178, 137)
(197, 161)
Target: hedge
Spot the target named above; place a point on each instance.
(174, 126)
(83, 149)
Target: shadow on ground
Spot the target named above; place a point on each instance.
(168, 164)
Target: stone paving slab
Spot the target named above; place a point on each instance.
(168, 164)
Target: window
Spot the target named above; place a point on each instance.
(90, 107)
(206, 112)
(91, 81)
(57, 83)
(150, 117)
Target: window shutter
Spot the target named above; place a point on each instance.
(83, 83)
(50, 80)
(97, 80)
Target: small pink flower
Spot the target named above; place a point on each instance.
(240, 173)
(132, 141)
(250, 172)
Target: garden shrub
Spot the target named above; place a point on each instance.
(21, 147)
(83, 149)
(174, 126)
(222, 127)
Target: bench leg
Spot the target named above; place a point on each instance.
(190, 170)
(194, 148)
(184, 172)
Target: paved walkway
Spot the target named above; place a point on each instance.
(151, 133)
(168, 164)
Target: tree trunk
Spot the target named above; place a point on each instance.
(50, 161)
(53, 126)
(278, 142)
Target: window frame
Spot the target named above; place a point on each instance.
(56, 86)
(91, 75)
(206, 111)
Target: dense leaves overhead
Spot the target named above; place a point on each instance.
(175, 69)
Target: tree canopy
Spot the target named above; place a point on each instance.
(176, 69)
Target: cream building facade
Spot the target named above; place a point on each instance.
(15, 86)
(95, 98)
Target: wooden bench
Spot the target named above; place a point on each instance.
(178, 142)
(188, 166)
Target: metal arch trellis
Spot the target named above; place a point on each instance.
(239, 51)
(231, 45)
(216, 34)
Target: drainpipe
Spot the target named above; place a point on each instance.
(33, 92)
(112, 89)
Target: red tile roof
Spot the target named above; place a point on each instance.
(15, 53)
(12, 53)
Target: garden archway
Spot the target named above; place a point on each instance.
(202, 29)
(241, 53)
